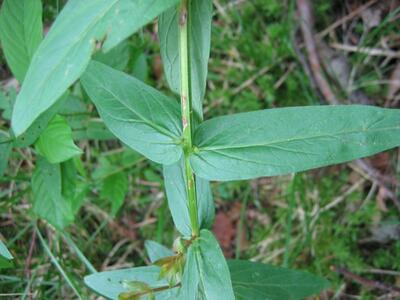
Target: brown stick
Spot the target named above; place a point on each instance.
(305, 15)
(365, 282)
(343, 20)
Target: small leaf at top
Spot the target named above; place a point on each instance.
(286, 140)
(55, 143)
(258, 281)
(21, 31)
(65, 52)
(140, 116)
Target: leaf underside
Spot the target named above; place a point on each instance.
(199, 41)
(65, 52)
(175, 186)
(287, 140)
(140, 116)
(258, 281)
(111, 283)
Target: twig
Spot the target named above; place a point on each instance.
(343, 20)
(304, 9)
(366, 282)
(366, 50)
(376, 177)
(249, 81)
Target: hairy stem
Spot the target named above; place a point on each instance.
(187, 111)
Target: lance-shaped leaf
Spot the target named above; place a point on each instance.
(55, 143)
(191, 277)
(286, 140)
(48, 201)
(213, 270)
(258, 281)
(175, 186)
(199, 42)
(140, 116)
(111, 284)
(65, 52)
(21, 32)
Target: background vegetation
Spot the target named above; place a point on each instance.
(340, 222)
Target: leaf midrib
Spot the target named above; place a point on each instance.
(141, 117)
(272, 143)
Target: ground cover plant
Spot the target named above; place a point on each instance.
(82, 57)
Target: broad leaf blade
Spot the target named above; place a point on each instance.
(214, 272)
(4, 252)
(258, 281)
(156, 251)
(48, 201)
(21, 32)
(65, 52)
(286, 140)
(199, 41)
(140, 116)
(55, 142)
(175, 186)
(111, 283)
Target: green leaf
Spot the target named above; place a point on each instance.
(5, 263)
(175, 186)
(92, 129)
(140, 116)
(258, 281)
(140, 68)
(114, 189)
(213, 269)
(5, 150)
(117, 58)
(21, 32)
(6, 103)
(4, 252)
(199, 41)
(55, 143)
(190, 281)
(287, 140)
(39, 125)
(73, 190)
(156, 251)
(48, 201)
(112, 283)
(65, 52)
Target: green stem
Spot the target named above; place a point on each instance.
(187, 110)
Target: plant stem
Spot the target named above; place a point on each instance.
(186, 105)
